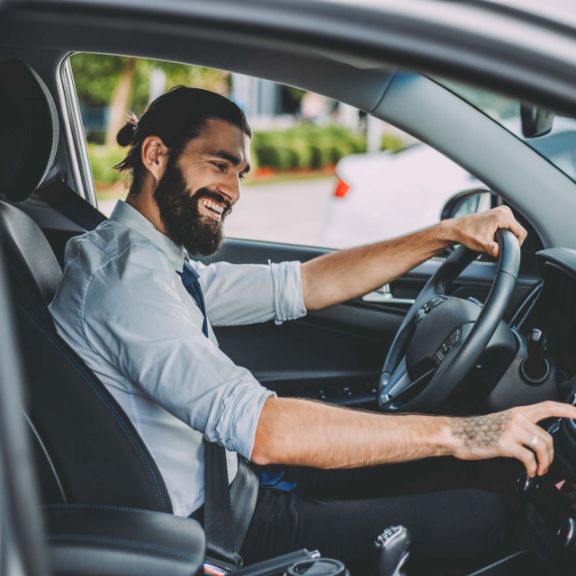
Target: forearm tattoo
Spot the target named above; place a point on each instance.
(479, 431)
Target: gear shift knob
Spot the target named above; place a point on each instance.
(392, 550)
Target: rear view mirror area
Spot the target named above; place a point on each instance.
(535, 121)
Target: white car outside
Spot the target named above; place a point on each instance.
(383, 195)
(414, 183)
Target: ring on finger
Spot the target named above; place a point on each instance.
(534, 441)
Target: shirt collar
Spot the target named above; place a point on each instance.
(125, 214)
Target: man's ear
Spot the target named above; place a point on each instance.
(154, 156)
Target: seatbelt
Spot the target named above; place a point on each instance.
(225, 528)
(58, 195)
(218, 523)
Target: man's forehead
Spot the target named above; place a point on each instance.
(218, 135)
(221, 139)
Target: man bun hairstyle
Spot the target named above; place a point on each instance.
(125, 135)
(176, 117)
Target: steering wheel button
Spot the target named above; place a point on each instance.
(454, 337)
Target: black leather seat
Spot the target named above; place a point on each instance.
(87, 449)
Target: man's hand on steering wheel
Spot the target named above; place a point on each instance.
(477, 231)
(512, 433)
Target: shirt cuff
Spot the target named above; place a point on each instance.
(288, 296)
(236, 430)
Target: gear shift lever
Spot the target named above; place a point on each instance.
(392, 550)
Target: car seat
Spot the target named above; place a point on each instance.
(87, 450)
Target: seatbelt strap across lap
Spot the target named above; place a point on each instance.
(227, 507)
(225, 526)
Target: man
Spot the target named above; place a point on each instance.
(127, 306)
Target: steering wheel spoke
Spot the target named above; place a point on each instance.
(399, 384)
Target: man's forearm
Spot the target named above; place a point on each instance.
(340, 276)
(347, 274)
(306, 433)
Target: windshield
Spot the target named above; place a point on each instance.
(559, 146)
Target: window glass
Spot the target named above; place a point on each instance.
(324, 174)
(558, 146)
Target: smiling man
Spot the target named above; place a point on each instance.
(140, 312)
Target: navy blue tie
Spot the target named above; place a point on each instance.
(272, 477)
(192, 284)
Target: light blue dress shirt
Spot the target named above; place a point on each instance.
(122, 307)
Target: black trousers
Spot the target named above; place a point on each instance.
(460, 514)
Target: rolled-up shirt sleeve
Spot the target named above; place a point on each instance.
(238, 294)
(140, 320)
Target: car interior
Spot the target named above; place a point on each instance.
(104, 503)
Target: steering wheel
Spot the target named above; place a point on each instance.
(442, 337)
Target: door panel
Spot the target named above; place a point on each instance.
(334, 354)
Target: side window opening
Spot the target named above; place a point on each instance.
(324, 174)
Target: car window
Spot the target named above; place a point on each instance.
(559, 146)
(324, 174)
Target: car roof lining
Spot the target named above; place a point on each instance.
(458, 40)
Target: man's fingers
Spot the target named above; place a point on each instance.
(516, 228)
(509, 222)
(479, 230)
(493, 249)
(540, 443)
(526, 456)
(550, 409)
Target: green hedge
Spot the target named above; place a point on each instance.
(392, 143)
(305, 146)
(312, 147)
(103, 160)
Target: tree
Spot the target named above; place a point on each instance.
(105, 81)
(123, 84)
(120, 101)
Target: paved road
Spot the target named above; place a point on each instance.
(292, 212)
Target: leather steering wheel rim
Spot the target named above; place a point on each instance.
(394, 384)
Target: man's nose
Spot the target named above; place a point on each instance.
(231, 189)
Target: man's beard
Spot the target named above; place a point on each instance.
(180, 213)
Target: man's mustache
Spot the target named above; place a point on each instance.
(217, 197)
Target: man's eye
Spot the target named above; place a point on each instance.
(220, 166)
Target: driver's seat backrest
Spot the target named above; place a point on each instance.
(22, 236)
(89, 450)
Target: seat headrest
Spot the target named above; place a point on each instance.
(28, 130)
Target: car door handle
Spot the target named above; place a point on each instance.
(384, 295)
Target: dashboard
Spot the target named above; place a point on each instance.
(554, 312)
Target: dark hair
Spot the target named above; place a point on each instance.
(176, 118)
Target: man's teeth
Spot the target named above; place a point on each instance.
(213, 206)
